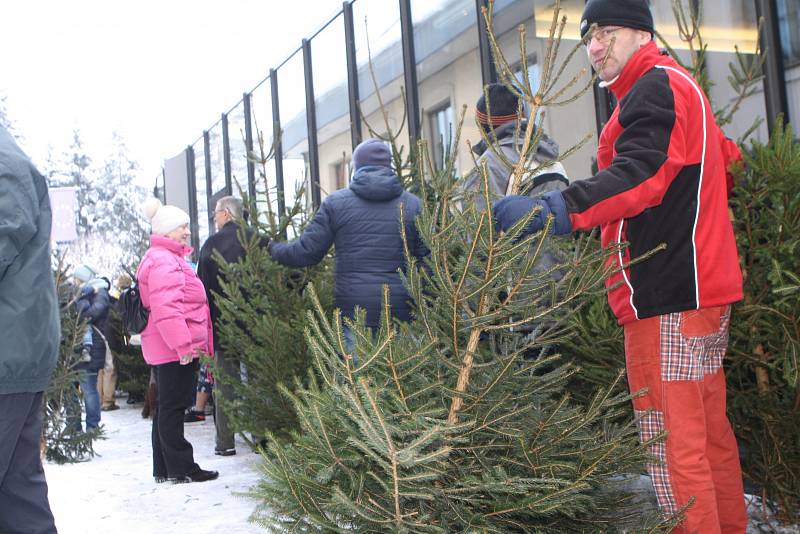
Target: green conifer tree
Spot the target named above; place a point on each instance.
(456, 422)
(63, 441)
(263, 315)
(764, 369)
(444, 424)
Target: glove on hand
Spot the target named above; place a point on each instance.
(87, 291)
(507, 211)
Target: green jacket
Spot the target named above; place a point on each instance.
(29, 316)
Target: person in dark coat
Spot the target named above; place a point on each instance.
(93, 306)
(30, 331)
(363, 223)
(227, 213)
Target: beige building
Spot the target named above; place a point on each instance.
(449, 76)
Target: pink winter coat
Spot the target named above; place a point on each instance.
(180, 322)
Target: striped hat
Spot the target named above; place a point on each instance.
(503, 106)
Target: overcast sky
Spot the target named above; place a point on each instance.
(157, 71)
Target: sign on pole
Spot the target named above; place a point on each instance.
(64, 206)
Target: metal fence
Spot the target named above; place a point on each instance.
(318, 98)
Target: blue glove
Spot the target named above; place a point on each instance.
(507, 211)
(87, 291)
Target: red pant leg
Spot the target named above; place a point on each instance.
(723, 454)
(671, 356)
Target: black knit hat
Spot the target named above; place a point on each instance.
(627, 13)
(503, 106)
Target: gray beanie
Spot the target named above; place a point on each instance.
(372, 152)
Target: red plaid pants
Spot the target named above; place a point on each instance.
(677, 359)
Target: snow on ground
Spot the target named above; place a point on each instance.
(115, 492)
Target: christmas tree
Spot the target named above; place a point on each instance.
(764, 367)
(64, 441)
(459, 421)
(263, 313)
(445, 424)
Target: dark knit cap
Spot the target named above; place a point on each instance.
(627, 13)
(372, 152)
(503, 105)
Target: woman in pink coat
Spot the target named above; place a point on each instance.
(178, 331)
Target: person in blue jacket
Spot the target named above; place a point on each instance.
(93, 306)
(363, 223)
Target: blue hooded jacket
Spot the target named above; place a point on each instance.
(363, 223)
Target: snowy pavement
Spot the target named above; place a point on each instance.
(115, 493)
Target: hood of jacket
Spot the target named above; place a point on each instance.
(546, 151)
(376, 183)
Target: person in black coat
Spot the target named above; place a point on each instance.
(363, 222)
(225, 241)
(93, 306)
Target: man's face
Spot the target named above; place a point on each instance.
(619, 43)
(221, 217)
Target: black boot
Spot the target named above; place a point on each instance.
(201, 475)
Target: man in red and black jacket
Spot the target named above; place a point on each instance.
(663, 179)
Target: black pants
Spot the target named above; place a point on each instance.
(172, 454)
(225, 394)
(23, 489)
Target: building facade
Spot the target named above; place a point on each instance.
(429, 59)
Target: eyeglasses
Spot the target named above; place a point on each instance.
(602, 35)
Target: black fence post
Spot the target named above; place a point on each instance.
(410, 72)
(194, 225)
(277, 142)
(161, 193)
(352, 75)
(488, 70)
(226, 155)
(209, 187)
(603, 106)
(775, 98)
(248, 144)
(311, 124)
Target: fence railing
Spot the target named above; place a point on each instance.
(414, 44)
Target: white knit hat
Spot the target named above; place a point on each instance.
(84, 273)
(164, 219)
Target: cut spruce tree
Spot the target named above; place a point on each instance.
(263, 315)
(461, 420)
(63, 439)
(453, 422)
(764, 363)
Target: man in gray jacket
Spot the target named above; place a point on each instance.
(503, 122)
(30, 331)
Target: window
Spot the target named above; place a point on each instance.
(341, 173)
(442, 133)
(789, 23)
